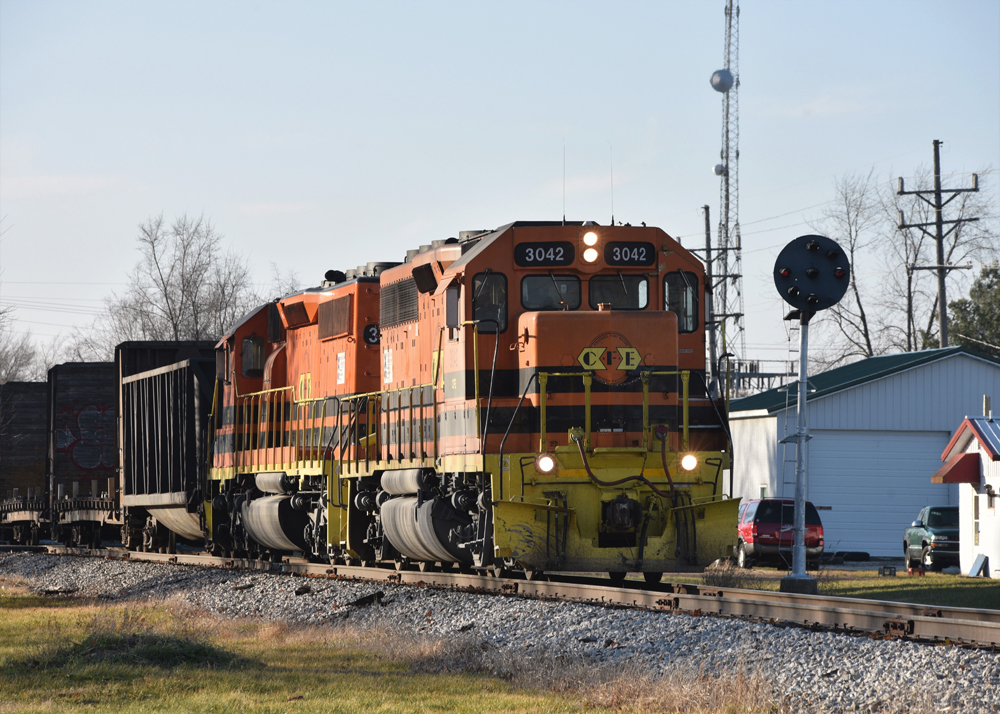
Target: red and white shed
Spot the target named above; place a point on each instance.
(972, 460)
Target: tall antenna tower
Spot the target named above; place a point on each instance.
(728, 269)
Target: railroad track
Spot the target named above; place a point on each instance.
(948, 625)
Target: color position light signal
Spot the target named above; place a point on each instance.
(812, 273)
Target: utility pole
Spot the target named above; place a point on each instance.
(713, 387)
(939, 234)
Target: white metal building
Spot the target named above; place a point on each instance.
(972, 461)
(879, 427)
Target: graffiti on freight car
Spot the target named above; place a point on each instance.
(87, 437)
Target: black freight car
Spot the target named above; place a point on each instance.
(82, 453)
(165, 396)
(23, 445)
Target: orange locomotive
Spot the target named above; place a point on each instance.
(531, 398)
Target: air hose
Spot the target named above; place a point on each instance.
(586, 465)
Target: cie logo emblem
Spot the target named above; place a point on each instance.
(610, 357)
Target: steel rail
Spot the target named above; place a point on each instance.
(948, 625)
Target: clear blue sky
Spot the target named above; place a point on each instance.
(322, 135)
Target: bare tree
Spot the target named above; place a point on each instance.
(854, 220)
(17, 351)
(907, 291)
(969, 242)
(184, 287)
(889, 306)
(283, 283)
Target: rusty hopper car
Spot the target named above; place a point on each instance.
(82, 453)
(526, 399)
(23, 444)
(165, 391)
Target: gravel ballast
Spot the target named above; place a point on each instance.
(814, 671)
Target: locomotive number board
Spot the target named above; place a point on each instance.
(554, 253)
(629, 253)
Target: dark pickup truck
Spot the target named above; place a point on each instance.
(931, 541)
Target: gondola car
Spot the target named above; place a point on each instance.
(527, 399)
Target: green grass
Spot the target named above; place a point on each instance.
(934, 589)
(930, 589)
(58, 655)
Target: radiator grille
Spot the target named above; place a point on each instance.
(296, 315)
(335, 317)
(398, 303)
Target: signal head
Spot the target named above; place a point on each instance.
(590, 238)
(806, 280)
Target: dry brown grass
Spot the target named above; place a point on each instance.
(726, 574)
(166, 637)
(629, 686)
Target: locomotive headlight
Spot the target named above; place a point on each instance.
(590, 238)
(545, 464)
(590, 255)
(689, 462)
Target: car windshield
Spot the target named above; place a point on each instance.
(943, 518)
(777, 512)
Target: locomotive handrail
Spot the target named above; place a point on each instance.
(685, 383)
(587, 377)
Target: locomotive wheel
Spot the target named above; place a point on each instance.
(617, 578)
(652, 578)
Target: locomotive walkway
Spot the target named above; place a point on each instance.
(947, 625)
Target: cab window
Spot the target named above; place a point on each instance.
(550, 292)
(680, 292)
(252, 357)
(489, 301)
(621, 292)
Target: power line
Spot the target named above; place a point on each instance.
(939, 234)
(53, 282)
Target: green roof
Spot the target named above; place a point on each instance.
(850, 375)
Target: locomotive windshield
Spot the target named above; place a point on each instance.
(550, 292)
(622, 292)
